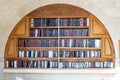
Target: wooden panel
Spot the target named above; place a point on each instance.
(21, 30)
(58, 10)
(107, 48)
(97, 28)
(11, 48)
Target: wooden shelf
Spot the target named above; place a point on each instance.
(37, 58)
(73, 27)
(39, 37)
(38, 48)
(44, 27)
(79, 37)
(79, 48)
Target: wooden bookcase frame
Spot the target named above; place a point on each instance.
(96, 30)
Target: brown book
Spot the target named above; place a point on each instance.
(34, 43)
(21, 43)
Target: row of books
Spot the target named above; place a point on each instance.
(44, 32)
(80, 53)
(35, 53)
(88, 53)
(37, 22)
(38, 43)
(78, 64)
(63, 43)
(31, 64)
(73, 32)
(63, 53)
(80, 43)
(74, 22)
(54, 32)
(54, 64)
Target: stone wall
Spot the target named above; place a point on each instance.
(11, 11)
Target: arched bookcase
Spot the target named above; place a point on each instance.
(59, 36)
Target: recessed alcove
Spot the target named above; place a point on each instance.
(96, 31)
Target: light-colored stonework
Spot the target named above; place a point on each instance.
(11, 11)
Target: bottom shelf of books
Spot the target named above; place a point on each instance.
(63, 63)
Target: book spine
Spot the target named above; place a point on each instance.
(97, 43)
(88, 22)
(7, 64)
(32, 22)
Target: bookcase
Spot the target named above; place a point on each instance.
(59, 36)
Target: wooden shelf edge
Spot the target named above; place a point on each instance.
(67, 71)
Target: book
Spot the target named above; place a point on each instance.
(108, 64)
(31, 22)
(36, 33)
(30, 64)
(21, 43)
(7, 64)
(15, 63)
(64, 22)
(97, 43)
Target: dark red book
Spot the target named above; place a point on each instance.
(21, 43)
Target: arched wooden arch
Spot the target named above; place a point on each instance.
(96, 29)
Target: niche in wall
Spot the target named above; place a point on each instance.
(59, 36)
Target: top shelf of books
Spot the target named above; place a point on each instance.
(44, 22)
